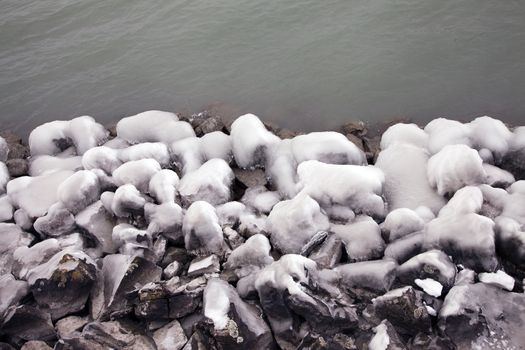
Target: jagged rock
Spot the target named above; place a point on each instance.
(18, 151)
(98, 223)
(234, 239)
(62, 285)
(172, 270)
(17, 167)
(170, 337)
(185, 297)
(250, 177)
(57, 222)
(329, 253)
(430, 342)
(377, 275)
(196, 342)
(152, 303)
(234, 323)
(404, 308)
(70, 325)
(433, 264)
(119, 275)
(339, 341)
(484, 317)
(28, 323)
(386, 338)
(208, 125)
(175, 254)
(36, 345)
(201, 266)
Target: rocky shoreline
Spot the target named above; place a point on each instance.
(186, 232)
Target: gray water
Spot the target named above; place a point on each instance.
(309, 64)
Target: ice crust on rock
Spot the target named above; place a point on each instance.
(362, 239)
(163, 186)
(40, 165)
(137, 173)
(201, 228)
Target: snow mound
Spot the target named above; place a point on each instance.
(201, 228)
(101, 157)
(362, 239)
(443, 132)
(404, 134)
(137, 173)
(79, 190)
(163, 185)
(152, 150)
(401, 222)
(44, 164)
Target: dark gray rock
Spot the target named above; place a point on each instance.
(485, 317)
(377, 275)
(185, 296)
(404, 308)
(152, 303)
(250, 178)
(18, 151)
(329, 253)
(208, 125)
(430, 342)
(170, 337)
(70, 325)
(36, 345)
(514, 162)
(17, 167)
(28, 323)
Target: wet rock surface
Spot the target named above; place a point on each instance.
(191, 233)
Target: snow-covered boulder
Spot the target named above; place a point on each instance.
(96, 221)
(79, 190)
(211, 183)
(6, 209)
(153, 126)
(251, 256)
(147, 150)
(432, 264)
(404, 134)
(43, 164)
(294, 222)
(401, 222)
(361, 238)
(101, 157)
(490, 134)
(126, 201)
(163, 186)
(57, 222)
(250, 141)
(358, 187)
(443, 132)
(260, 199)
(137, 173)
(375, 275)
(201, 229)
(216, 145)
(166, 219)
(455, 166)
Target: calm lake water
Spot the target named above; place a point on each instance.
(309, 64)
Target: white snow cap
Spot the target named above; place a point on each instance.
(163, 185)
(404, 134)
(287, 216)
(201, 228)
(380, 340)
(53, 137)
(498, 278)
(250, 141)
(443, 132)
(359, 187)
(430, 286)
(136, 172)
(455, 166)
(79, 190)
(153, 150)
(362, 239)
(153, 126)
(101, 157)
(401, 222)
(45, 164)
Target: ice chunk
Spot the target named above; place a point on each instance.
(49, 138)
(359, 187)
(102, 157)
(201, 228)
(79, 190)
(498, 279)
(455, 166)
(4, 178)
(136, 172)
(148, 150)
(250, 141)
(294, 222)
(43, 164)
(260, 199)
(430, 286)
(153, 126)
(211, 183)
(163, 186)
(327, 147)
(401, 222)
(444, 132)
(127, 200)
(36, 194)
(406, 182)
(492, 134)
(377, 275)
(362, 239)
(6, 209)
(26, 258)
(216, 145)
(380, 340)
(404, 134)
(230, 212)
(187, 154)
(469, 238)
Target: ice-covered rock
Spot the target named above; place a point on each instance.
(4, 177)
(137, 173)
(204, 265)
(514, 159)
(482, 316)
(251, 256)
(6, 209)
(43, 164)
(170, 337)
(235, 323)
(98, 223)
(11, 292)
(359, 187)
(4, 150)
(404, 134)
(401, 222)
(201, 228)
(468, 238)
(443, 132)
(187, 154)
(165, 219)
(251, 141)
(57, 222)
(497, 177)
(210, 183)
(467, 200)
(131, 240)
(432, 264)
(491, 134)
(153, 126)
(385, 338)
(36, 194)
(455, 166)
(86, 133)
(163, 186)
(260, 199)
(101, 157)
(406, 182)
(361, 238)
(327, 147)
(281, 169)
(147, 150)
(79, 190)
(126, 201)
(376, 275)
(498, 279)
(11, 238)
(293, 222)
(216, 145)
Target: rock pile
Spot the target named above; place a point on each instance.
(173, 233)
